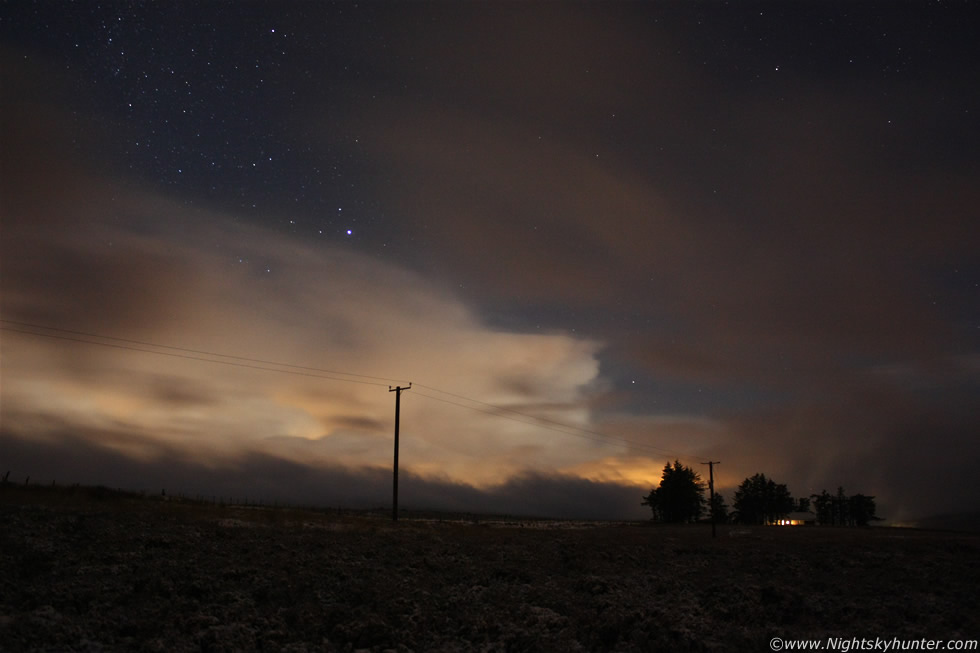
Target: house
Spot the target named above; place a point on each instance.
(797, 519)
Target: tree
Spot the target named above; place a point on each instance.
(862, 509)
(759, 500)
(842, 510)
(719, 509)
(822, 503)
(841, 515)
(680, 497)
(802, 504)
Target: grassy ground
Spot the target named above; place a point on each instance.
(90, 569)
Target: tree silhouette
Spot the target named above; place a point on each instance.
(759, 500)
(842, 510)
(862, 509)
(680, 497)
(842, 515)
(719, 509)
(822, 503)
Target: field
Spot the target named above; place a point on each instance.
(91, 570)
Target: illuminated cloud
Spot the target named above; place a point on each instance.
(624, 220)
(150, 271)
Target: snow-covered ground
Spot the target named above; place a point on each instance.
(121, 574)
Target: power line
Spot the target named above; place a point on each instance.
(194, 351)
(490, 409)
(602, 436)
(495, 413)
(551, 425)
(194, 358)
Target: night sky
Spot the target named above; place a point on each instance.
(594, 236)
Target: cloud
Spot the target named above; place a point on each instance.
(121, 266)
(899, 444)
(771, 241)
(77, 457)
(138, 268)
(789, 255)
(779, 252)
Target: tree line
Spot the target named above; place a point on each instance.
(680, 499)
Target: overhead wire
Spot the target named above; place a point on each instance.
(315, 372)
(198, 351)
(496, 413)
(542, 421)
(195, 358)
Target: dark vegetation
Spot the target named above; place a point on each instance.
(758, 500)
(843, 510)
(680, 497)
(98, 569)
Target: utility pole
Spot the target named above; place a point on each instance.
(711, 488)
(394, 487)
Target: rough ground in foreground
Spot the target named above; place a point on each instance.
(91, 574)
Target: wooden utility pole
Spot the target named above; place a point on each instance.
(711, 488)
(394, 486)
